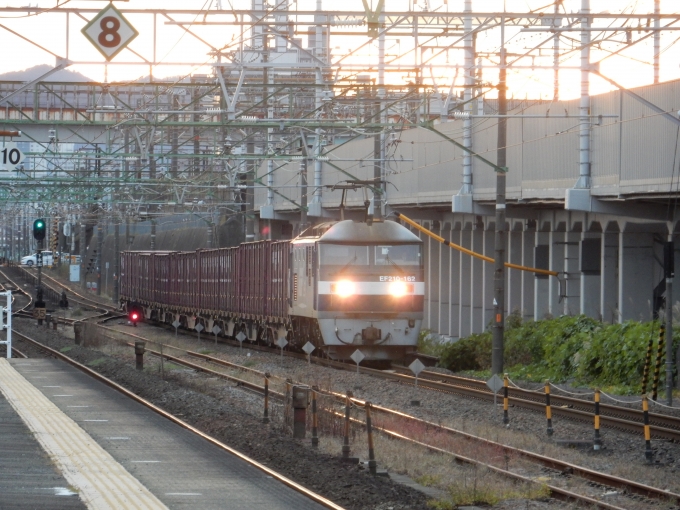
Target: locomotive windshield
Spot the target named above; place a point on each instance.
(342, 254)
(400, 255)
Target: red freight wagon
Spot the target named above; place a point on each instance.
(277, 297)
(249, 280)
(253, 276)
(160, 270)
(209, 272)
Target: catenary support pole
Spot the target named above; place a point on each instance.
(669, 273)
(83, 254)
(499, 242)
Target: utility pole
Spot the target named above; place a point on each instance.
(100, 243)
(83, 252)
(499, 243)
(669, 273)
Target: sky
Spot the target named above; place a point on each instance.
(62, 36)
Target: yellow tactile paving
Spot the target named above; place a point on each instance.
(103, 484)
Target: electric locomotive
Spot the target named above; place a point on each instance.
(358, 286)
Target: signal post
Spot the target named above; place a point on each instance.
(39, 311)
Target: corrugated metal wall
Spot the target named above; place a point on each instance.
(635, 154)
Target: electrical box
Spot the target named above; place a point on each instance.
(300, 397)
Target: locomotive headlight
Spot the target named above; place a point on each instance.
(343, 288)
(400, 289)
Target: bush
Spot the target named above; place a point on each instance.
(578, 349)
(470, 353)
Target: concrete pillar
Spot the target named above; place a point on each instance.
(609, 256)
(636, 275)
(465, 291)
(542, 283)
(514, 278)
(477, 283)
(572, 266)
(591, 276)
(454, 287)
(427, 240)
(557, 254)
(434, 279)
(528, 279)
(445, 283)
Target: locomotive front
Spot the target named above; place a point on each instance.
(370, 289)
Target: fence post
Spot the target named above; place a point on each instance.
(265, 419)
(506, 382)
(649, 454)
(139, 354)
(548, 411)
(597, 442)
(345, 443)
(372, 464)
(315, 422)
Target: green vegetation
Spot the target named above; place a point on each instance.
(577, 349)
(430, 344)
(482, 491)
(66, 349)
(96, 362)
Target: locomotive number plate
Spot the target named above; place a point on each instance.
(397, 278)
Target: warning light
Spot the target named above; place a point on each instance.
(134, 315)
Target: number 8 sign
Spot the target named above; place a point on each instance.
(109, 32)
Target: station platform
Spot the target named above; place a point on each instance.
(68, 441)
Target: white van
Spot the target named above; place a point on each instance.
(31, 260)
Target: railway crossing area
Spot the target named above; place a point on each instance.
(70, 442)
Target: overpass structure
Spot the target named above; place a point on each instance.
(282, 120)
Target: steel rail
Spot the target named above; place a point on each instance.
(549, 462)
(662, 420)
(557, 492)
(286, 481)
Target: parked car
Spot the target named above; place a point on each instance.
(31, 260)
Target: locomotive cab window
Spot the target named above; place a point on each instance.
(400, 255)
(341, 254)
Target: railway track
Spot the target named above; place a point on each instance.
(92, 373)
(52, 292)
(211, 365)
(617, 417)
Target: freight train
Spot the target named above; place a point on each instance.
(342, 286)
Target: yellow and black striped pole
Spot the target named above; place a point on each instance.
(506, 382)
(597, 442)
(649, 454)
(657, 365)
(548, 411)
(648, 361)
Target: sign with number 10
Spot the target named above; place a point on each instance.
(10, 156)
(110, 32)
